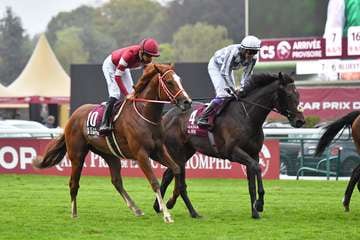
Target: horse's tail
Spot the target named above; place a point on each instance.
(333, 129)
(54, 153)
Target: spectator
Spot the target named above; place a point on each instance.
(50, 122)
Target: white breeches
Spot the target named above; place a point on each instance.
(109, 72)
(218, 80)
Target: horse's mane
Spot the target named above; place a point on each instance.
(149, 72)
(264, 79)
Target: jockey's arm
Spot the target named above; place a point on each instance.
(248, 70)
(226, 70)
(120, 69)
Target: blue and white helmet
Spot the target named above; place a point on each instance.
(250, 43)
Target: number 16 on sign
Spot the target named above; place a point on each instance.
(354, 41)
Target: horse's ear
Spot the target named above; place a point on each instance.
(172, 65)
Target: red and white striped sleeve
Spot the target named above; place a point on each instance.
(119, 72)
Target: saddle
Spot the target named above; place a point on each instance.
(194, 129)
(95, 116)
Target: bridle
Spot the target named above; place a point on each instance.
(165, 89)
(285, 112)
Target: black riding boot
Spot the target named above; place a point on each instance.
(203, 121)
(105, 126)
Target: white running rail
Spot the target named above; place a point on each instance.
(269, 132)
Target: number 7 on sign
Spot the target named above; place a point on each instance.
(333, 41)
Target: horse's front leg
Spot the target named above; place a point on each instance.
(144, 162)
(252, 169)
(165, 182)
(185, 197)
(170, 204)
(116, 179)
(164, 158)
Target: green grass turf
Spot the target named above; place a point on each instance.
(38, 207)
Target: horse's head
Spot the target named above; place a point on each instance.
(170, 87)
(288, 101)
(160, 82)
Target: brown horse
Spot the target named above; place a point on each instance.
(237, 132)
(350, 120)
(138, 132)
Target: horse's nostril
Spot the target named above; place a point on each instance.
(187, 102)
(299, 123)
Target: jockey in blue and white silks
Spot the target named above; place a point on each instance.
(221, 67)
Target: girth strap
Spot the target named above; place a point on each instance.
(212, 142)
(111, 140)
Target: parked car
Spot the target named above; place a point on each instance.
(277, 125)
(26, 124)
(290, 154)
(5, 126)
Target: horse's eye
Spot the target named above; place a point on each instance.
(170, 81)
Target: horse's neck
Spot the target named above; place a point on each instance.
(264, 100)
(151, 111)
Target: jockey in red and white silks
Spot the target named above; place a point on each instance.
(116, 68)
(221, 67)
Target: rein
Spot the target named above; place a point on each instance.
(286, 113)
(162, 86)
(147, 100)
(264, 107)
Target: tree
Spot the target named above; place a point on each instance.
(92, 25)
(167, 54)
(80, 17)
(97, 44)
(69, 48)
(14, 51)
(227, 13)
(130, 21)
(197, 43)
(287, 18)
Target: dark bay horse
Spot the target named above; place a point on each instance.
(350, 120)
(237, 132)
(138, 132)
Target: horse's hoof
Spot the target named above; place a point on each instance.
(168, 219)
(74, 215)
(259, 206)
(346, 205)
(195, 215)
(138, 213)
(255, 215)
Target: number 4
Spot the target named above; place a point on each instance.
(192, 117)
